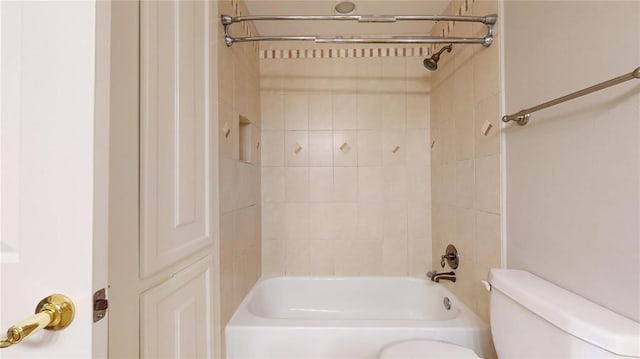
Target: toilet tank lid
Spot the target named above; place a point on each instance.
(569, 312)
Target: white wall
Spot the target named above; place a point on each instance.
(572, 174)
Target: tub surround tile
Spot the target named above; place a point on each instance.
(465, 166)
(320, 112)
(272, 111)
(241, 206)
(344, 111)
(345, 152)
(296, 184)
(296, 112)
(321, 148)
(296, 148)
(394, 257)
(272, 148)
(369, 148)
(346, 166)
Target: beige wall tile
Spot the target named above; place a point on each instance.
(464, 182)
(487, 110)
(418, 147)
(419, 220)
(345, 221)
(321, 257)
(343, 76)
(465, 134)
(369, 148)
(345, 148)
(370, 223)
(369, 74)
(272, 111)
(393, 74)
(394, 148)
(487, 189)
(320, 112)
(241, 225)
(465, 163)
(394, 217)
(394, 257)
(296, 221)
(296, 148)
(273, 221)
(227, 181)
(272, 184)
(273, 258)
(321, 184)
(369, 109)
(419, 182)
(345, 184)
(419, 256)
(272, 148)
(297, 257)
(344, 111)
(296, 112)
(394, 110)
(417, 79)
(357, 217)
(321, 148)
(370, 184)
(418, 108)
(225, 127)
(395, 183)
(369, 257)
(346, 257)
(296, 184)
(321, 217)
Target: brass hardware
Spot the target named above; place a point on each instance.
(54, 312)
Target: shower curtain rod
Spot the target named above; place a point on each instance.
(486, 41)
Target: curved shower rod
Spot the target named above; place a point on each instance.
(489, 21)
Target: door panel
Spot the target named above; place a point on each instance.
(53, 164)
(175, 180)
(178, 315)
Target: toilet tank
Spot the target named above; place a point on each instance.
(533, 318)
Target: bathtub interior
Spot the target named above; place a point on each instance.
(333, 317)
(349, 299)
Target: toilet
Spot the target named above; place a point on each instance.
(534, 318)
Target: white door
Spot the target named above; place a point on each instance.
(53, 169)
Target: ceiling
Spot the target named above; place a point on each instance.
(328, 28)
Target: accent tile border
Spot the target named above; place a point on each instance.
(345, 53)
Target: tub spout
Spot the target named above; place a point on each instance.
(436, 277)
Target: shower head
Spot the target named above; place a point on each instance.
(431, 63)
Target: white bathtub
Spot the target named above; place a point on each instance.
(337, 317)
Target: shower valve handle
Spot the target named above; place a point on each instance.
(447, 256)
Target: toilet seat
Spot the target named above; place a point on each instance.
(413, 349)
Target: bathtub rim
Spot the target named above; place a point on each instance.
(243, 317)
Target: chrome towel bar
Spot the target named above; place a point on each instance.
(522, 117)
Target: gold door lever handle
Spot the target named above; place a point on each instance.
(54, 312)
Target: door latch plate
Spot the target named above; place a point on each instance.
(100, 305)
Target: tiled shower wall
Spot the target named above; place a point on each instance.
(345, 164)
(466, 162)
(238, 97)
